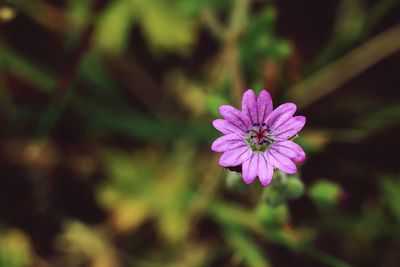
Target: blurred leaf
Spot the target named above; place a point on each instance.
(20, 66)
(193, 7)
(165, 25)
(113, 27)
(79, 15)
(15, 249)
(190, 94)
(260, 43)
(391, 194)
(87, 243)
(145, 185)
(325, 193)
(246, 248)
(213, 103)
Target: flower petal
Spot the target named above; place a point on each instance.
(280, 161)
(249, 105)
(225, 126)
(289, 128)
(235, 117)
(291, 150)
(264, 106)
(235, 156)
(265, 171)
(228, 142)
(280, 115)
(250, 168)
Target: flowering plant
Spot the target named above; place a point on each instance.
(258, 137)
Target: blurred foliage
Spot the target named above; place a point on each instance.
(106, 110)
(15, 249)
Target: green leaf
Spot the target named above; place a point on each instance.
(165, 25)
(113, 27)
(391, 194)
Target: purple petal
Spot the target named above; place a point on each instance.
(280, 115)
(235, 117)
(225, 126)
(291, 150)
(250, 168)
(280, 161)
(249, 105)
(228, 142)
(289, 128)
(235, 156)
(265, 171)
(264, 106)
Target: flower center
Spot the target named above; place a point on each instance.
(258, 137)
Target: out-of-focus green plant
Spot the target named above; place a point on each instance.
(325, 193)
(282, 188)
(15, 249)
(83, 243)
(165, 25)
(391, 195)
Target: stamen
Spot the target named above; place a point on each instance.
(258, 137)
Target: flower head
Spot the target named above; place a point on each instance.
(258, 137)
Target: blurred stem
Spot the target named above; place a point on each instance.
(344, 69)
(340, 43)
(237, 24)
(325, 258)
(229, 36)
(64, 88)
(211, 21)
(238, 18)
(233, 63)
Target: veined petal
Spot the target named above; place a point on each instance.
(228, 142)
(265, 171)
(235, 117)
(290, 149)
(280, 115)
(249, 105)
(264, 106)
(289, 128)
(225, 126)
(250, 168)
(280, 161)
(235, 156)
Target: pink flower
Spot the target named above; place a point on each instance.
(258, 137)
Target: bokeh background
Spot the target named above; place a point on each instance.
(106, 110)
